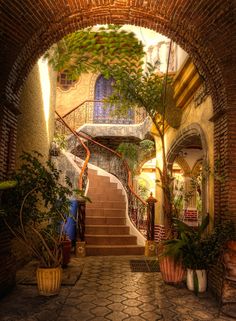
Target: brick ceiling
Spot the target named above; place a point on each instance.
(206, 29)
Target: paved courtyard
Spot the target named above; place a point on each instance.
(108, 290)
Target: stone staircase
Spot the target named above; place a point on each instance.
(106, 229)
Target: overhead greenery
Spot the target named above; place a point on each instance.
(93, 50)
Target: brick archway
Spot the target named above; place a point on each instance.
(206, 30)
(31, 28)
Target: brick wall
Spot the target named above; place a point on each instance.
(8, 128)
(190, 215)
(194, 27)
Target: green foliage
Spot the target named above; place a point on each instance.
(134, 153)
(143, 190)
(134, 88)
(7, 184)
(91, 50)
(36, 206)
(194, 247)
(60, 140)
(129, 152)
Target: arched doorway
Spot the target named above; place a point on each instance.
(188, 161)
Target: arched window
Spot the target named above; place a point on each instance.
(103, 88)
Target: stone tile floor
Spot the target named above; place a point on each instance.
(108, 290)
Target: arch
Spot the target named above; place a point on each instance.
(185, 138)
(183, 164)
(192, 26)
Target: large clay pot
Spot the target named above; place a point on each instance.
(201, 279)
(172, 272)
(229, 259)
(49, 280)
(231, 245)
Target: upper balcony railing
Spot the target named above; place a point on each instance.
(92, 112)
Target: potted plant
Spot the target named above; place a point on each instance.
(34, 211)
(197, 250)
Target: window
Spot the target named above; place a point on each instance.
(63, 81)
(103, 88)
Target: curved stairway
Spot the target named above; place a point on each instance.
(106, 230)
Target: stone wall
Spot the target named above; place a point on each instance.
(37, 105)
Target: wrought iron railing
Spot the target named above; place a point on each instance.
(112, 162)
(84, 114)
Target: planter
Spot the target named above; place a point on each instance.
(201, 280)
(172, 272)
(231, 245)
(49, 280)
(66, 249)
(229, 259)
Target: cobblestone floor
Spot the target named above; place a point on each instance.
(108, 290)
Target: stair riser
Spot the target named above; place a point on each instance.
(105, 221)
(107, 230)
(116, 251)
(111, 191)
(104, 212)
(100, 184)
(106, 240)
(100, 204)
(113, 197)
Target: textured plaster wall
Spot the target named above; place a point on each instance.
(35, 125)
(81, 91)
(201, 115)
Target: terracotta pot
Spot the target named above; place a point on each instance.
(229, 259)
(66, 250)
(172, 272)
(201, 278)
(49, 280)
(231, 245)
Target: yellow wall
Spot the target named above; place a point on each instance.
(186, 84)
(36, 122)
(81, 91)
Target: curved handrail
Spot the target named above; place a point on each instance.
(87, 137)
(80, 183)
(135, 210)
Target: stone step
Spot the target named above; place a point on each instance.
(107, 212)
(106, 204)
(95, 250)
(107, 229)
(101, 220)
(112, 195)
(101, 184)
(110, 239)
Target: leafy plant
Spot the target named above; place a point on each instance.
(36, 207)
(195, 248)
(60, 140)
(94, 49)
(135, 153)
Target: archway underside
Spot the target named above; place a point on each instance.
(28, 29)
